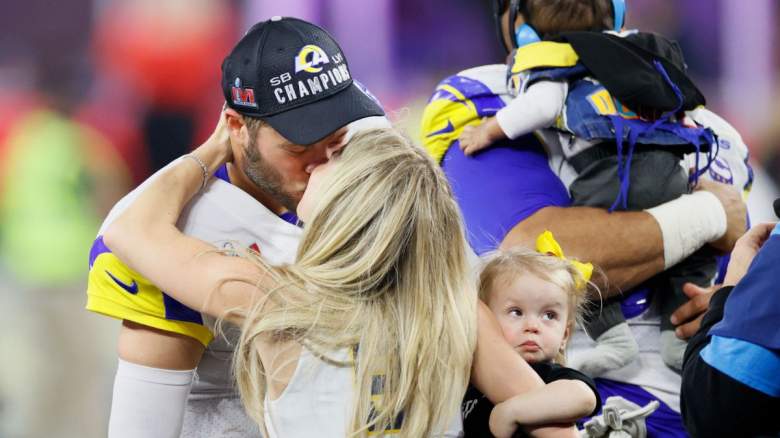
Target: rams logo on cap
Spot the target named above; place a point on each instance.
(311, 59)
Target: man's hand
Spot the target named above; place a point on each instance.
(736, 213)
(745, 251)
(688, 317)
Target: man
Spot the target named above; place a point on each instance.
(735, 356)
(290, 98)
(510, 194)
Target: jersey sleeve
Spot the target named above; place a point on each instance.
(116, 290)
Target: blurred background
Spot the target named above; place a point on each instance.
(95, 95)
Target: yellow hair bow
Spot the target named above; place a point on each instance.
(546, 244)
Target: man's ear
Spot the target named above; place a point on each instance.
(237, 129)
(235, 121)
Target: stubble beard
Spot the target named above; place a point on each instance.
(266, 177)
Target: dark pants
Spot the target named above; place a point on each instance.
(655, 177)
(715, 405)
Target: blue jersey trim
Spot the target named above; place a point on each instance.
(222, 173)
(748, 363)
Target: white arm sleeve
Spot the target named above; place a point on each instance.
(148, 402)
(536, 108)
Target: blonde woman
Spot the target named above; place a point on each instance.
(371, 329)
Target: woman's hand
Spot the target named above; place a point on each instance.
(216, 150)
(220, 138)
(745, 251)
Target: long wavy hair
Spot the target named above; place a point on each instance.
(381, 270)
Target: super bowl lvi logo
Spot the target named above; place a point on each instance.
(310, 59)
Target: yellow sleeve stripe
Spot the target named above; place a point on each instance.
(115, 290)
(116, 310)
(443, 121)
(544, 54)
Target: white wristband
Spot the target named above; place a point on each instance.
(688, 223)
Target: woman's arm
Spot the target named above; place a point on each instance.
(498, 371)
(146, 238)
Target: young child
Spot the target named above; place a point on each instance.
(536, 298)
(573, 92)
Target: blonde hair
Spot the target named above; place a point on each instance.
(508, 265)
(381, 269)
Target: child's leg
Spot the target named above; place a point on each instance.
(615, 343)
(700, 269)
(655, 177)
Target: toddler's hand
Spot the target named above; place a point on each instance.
(473, 139)
(502, 422)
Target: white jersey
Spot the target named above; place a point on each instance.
(317, 401)
(228, 218)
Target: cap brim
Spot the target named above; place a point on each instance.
(310, 123)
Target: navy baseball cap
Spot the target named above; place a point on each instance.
(293, 75)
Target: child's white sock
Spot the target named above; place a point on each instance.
(614, 349)
(672, 349)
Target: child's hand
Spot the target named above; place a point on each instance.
(474, 138)
(502, 421)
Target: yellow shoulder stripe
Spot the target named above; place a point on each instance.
(443, 121)
(544, 54)
(116, 290)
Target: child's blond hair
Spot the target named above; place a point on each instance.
(505, 266)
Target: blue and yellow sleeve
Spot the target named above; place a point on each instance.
(115, 290)
(458, 101)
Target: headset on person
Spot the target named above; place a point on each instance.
(526, 34)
